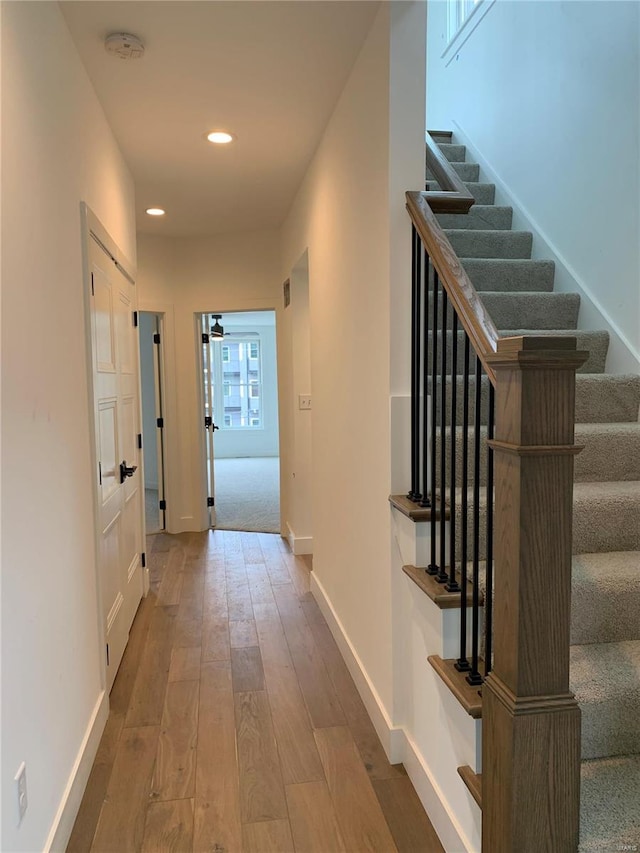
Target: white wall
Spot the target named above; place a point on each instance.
(548, 93)
(350, 200)
(181, 278)
(264, 440)
(147, 380)
(56, 151)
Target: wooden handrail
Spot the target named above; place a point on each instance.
(453, 196)
(470, 309)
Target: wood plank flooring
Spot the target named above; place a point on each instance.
(235, 726)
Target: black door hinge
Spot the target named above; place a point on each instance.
(211, 501)
(93, 293)
(100, 472)
(139, 441)
(205, 338)
(135, 318)
(162, 504)
(156, 338)
(107, 654)
(143, 557)
(160, 423)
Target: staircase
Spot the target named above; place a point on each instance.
(605, 623)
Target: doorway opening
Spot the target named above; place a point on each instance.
(151, 374)
(240, 400)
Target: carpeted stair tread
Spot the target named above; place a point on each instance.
(595, 343)
(610, 452)
(466, 171)
(605, 597)
(605, 678)
(490, 244)
(482, 193)
(441, 135)
(510, 274)
(600, 397)
(532, 310)
(604, 398)
(480, 217)
(453, 152)
(606, 517)
(609, 797)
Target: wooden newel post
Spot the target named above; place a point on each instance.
(531, 721)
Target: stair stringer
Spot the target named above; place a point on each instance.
(439, 736)
(622, 357)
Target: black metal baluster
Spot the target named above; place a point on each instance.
(462, 664)
(442, 576)
(432, 568)
(428, 273)
(488, 597)
(414, 494)
(452, 584)
(474, 676)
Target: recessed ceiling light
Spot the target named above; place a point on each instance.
(220, 137)
(155, 211)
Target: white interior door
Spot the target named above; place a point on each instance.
(209, 423)
(117, 422)
(159, 400)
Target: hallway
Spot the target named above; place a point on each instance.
(234, 724)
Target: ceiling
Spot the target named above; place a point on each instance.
(269, 72)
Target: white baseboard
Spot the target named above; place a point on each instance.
(391, 737)
(299, 544)
(74, 791)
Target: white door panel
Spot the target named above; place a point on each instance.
(108, 449)
(103, 321)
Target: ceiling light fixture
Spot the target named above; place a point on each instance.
(155, 211)
(220, 137)
(217, 332)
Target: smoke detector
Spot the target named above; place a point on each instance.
(124, 46)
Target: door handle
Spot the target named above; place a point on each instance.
(127, 471)
(209, 424)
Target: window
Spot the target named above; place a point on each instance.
(459, 12)
(236, 380)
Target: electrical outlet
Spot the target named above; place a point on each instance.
(304, 401)
(21, 790)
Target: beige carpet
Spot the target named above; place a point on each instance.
(248, 494)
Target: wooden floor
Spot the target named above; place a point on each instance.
(235, 726)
